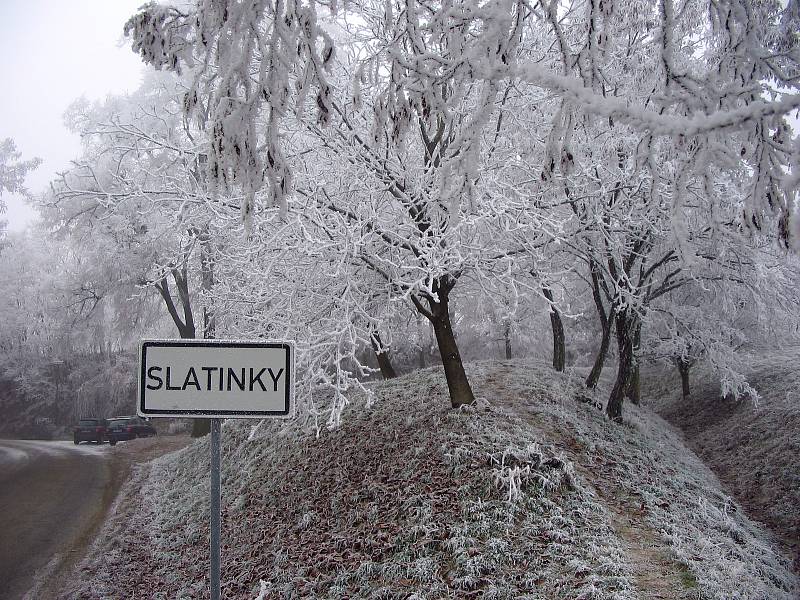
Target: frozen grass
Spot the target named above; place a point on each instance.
(644, 469)
(754, 447)
(528, 494)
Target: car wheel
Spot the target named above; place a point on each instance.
(112, 442)
(77, 441)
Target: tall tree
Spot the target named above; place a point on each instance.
(647, 105)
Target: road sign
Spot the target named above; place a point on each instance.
(216, 379)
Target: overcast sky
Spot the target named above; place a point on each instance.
(53, 52)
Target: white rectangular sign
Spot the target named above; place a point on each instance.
(216, 379)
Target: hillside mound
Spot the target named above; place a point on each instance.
(753, 445)
(526, 494)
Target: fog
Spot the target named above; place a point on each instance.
(55, 52)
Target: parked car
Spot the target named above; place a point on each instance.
(128, 428)
(90, 430)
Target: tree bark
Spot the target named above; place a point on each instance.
(559, 350)
(635, 388)
(634, 385)
(185, 326)
(600, 359)
(607, 324)
(423, 336)
(507, 338)
(457, 382)
(382, 354)
(683, 369)
(624, 367)
(438, 314)
(182, 284)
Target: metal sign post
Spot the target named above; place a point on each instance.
(215, 507)
(216, 379)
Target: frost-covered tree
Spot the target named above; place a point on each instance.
(641, 118)
(12, 173)
(647, 142)
(408, 124)
(12, 168)
(137, 202)
(61, 352)
(135, 199)
(715, 320)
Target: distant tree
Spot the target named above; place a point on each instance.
(137, 203)
(718, 320)
(48, 331)
(12, 168)
(12, 173)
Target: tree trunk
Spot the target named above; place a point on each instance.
(559, 350)
(634, 385)
(507, 337)
(185, 326)
(457, 382)
(683, 369)
(423, 333)
(634, 388)
(182, 284)
(382, 354)
(624, 368)
(439, 316)
(607, 324)
(600, 359)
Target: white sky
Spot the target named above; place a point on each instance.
(51, 53)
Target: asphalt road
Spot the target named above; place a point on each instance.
(53, 495)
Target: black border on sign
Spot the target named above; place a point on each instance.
(286, 412)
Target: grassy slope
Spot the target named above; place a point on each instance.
(527, 495)
(753, 447)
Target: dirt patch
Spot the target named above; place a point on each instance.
(60, 572)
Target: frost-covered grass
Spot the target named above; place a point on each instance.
(527, 494)
(754, 446)
(646, 471)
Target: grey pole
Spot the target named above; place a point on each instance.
(216, 434)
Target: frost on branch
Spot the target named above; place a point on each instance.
(161, 36)
(242, 56)
(12, 169)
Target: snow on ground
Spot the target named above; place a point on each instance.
(754, 446)
(91, 449)
(15, 453)
(528, 494)
(10, 455)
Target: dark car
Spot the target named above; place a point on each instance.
(128, 428)
(90, 430)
